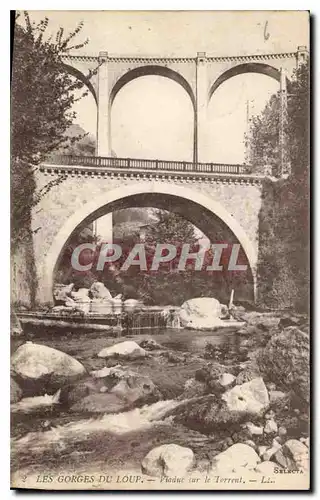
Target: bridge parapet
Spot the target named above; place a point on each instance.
(137, 167)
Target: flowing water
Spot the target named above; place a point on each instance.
(49, 434)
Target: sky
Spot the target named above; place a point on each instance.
(149, 132)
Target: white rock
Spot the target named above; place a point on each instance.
(254, 429)
(251, 443)
(226, 379)
(262, 450)
(105, 372)
(99, 291)
(266, 468)
(200, 313)
(250, 397)
(271, 427)
(168, 460)
(270, 452)
(128, 348)
(33, 361)
(276, 396)
(238, 455)
(293, 455)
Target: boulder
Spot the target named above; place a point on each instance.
(193, 388)
(250, 398)
(271, 427)
(293, 455)
(99, 291)
(285, 361)
(136, 389)
(248, 374)
(226, 380)
(237, 456)
(267, 468)
(81, 295)
(200, 313)
(290, 321)
(100, 403)
(168, 460)
(131, 388)
(150, 345)
(15, 391)
(270, 452)
(277, 396)
(40, 368)
(128, 349)
(254, 430)
(62, 292)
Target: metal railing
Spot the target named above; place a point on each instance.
(144, 164)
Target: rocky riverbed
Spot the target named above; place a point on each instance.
(214, 400)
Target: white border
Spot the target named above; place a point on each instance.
(312, 5)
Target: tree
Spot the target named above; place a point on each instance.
(42, 96)
(263, 139)
(283, 269)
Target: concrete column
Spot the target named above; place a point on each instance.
(201, 108)
(103, 125)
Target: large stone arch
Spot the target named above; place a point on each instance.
(155, 70)
(251, 67)
(100, 205)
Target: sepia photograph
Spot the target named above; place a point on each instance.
(160, 250)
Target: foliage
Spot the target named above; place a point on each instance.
(42, 96)
(283, 267)
(263, 139)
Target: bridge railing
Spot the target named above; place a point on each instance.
(144, 164)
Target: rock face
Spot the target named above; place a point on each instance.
(285, 361)
(38, 366)
(293, 455)
(15, 391)
(251, 397)
(237, 456)
(128, 349)
(168, 460)
(200, 313)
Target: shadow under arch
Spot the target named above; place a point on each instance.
(197, 208)
(80, 76)
(262, 69)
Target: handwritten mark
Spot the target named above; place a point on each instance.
(266, 34)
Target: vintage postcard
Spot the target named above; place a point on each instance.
(160, 250)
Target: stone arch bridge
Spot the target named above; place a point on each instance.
(200, 76)
(212, 196)
(207, 194)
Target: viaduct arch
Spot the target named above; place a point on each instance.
(200, 76)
